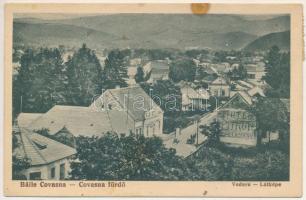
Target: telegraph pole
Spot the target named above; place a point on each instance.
(21, 104)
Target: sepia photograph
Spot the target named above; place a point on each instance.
(154, 97)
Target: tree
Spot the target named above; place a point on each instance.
(39, 83)
(84, 74)
(18, 163)
(165, 94)
(270, 165)
(278, 73)
(139, 77)
(120, 157)
(239, 73)
(212, 132)
(209, 164)
(115, 70)
(182, 70)
(271, 115)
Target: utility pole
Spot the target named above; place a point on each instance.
(21, 104)
(197, 119)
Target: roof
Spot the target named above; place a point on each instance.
(80, 121)
(135, 61)
(255, 68)
(209, 70)
(191, 93)
(208, 78)
(132, 71)
(246, 97)
(256, 90)
(158, 68)
(219, 81)
(127, 97)
(24, 119)
(240, 94)
(221, 67)
(42, 150)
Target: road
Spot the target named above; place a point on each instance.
(182, 148)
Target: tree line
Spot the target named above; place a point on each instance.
(44, 79)
(135, 157)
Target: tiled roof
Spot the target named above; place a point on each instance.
(80, 120)
(24, 119)
(42, 150)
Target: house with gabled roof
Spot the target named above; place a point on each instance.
(121, 110)
(141, 114)
(219, 87)
(256, 71)
(48, 158)
(156, 70)
(193, 99)
(237, 122)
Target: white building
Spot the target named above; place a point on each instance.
(255, 71)
(157, 70)
(219, 88)
(193, 99)
(141, 114)
(121, 110)
(48, 158)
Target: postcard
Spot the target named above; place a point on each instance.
(153, 100)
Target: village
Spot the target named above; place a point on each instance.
(223, 90)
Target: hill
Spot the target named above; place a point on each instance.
(58, 34)
(148, 31)
(281, 39)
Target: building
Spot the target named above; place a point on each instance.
(237, 123)
(135, 62)
(141, 114)
(255, 71)
(221, 68)
(219, 88)
(49, 159)
(121, 110)
(194, 99)
(156, 70)
(131, 72)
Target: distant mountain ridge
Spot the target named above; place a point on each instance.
(148, 31)
(281, 39)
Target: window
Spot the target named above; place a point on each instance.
(138, 130)
(216, 92)
(223, 92)
(53, 172)
(251, 76)
(62, 171)
(35, 176)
